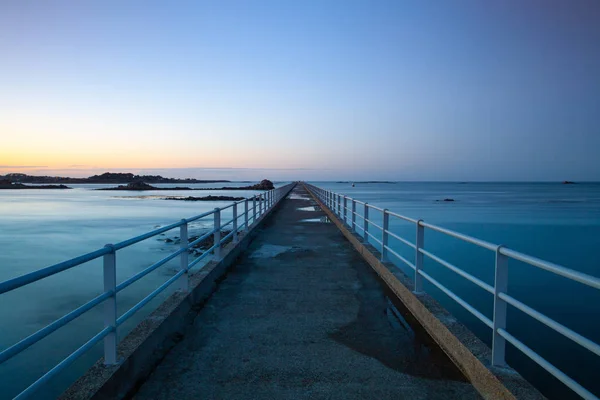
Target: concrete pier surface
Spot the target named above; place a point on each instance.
(302, 316)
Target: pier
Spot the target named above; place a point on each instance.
(296, 303)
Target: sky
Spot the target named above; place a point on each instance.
(315, 90)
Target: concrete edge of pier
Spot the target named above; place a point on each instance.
(149, 342)
(467, 351)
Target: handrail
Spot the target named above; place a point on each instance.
(254, 208)
(331, 200)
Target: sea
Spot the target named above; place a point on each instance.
(553, 221)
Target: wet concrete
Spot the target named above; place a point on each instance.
(303, 316)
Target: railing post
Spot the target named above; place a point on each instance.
(235, 223)
(345, 204)
(217, 234)
(110, 306)
(419, 243)
(384, 234)
(339, 205)
(354, 215)
(366, 222)
(246, 214)
(500, 286)
(254, 209)
(183, 281)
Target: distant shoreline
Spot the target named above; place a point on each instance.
(106, 178)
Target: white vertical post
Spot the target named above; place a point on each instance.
(366, 222)
(183, 281)
(254, 209)
(261, 198)
(110, 306)
(217, 234)
(339, 205)
(500, 286)
(235, 223)
(384, 234)
(353, 215)
(345, 205)
(419, 243)
(246, 214)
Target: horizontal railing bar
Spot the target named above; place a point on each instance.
(34, 276)
(580, 277)
(201, 238)
(466, 238)
(404, 260)
(406, 242)
(226, 207)
(373, 237)
(64, 364)
(197, 217)
(558, 374)
(375, 207)
(226, 237)
(371, 223)
(414, 221)
(201, 257)
(48, 329)
(459, 271)
(137, 239)
(226, 223)
(574, 336)
(362, 203)
(460, 301)
(149, 269)
(148, 298)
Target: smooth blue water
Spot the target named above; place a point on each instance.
(559, 223)
(42, 227)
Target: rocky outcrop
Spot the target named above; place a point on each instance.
(568, 183)
(447, 200)
(140, 186)
(206, 198)
(7, 184)
(265, 184)
(107, 177)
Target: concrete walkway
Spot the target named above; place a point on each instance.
(302, 316)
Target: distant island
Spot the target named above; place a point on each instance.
(6, 184)
(106, 178)
(368, 182)
(265, 184)
(206, 198)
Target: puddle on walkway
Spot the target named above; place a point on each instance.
(319, 220)
(269, 251)
(310, 208)
(383, 331)
(297, 197)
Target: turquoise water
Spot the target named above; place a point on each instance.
(42, 227)
(560, 223)
(555, 222)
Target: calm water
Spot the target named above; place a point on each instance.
(560, 223)
(42, 227)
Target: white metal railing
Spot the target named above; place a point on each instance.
(254, 208)
(338, 204)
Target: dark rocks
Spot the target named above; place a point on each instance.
(447, 200)
(265, 184)
(140, 186)
(568, 183)
(7, 184)
(206, 198)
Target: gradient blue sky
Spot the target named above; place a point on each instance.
(396, 90)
